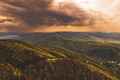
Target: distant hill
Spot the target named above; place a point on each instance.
(103, 48)
(74, 35)
(92, 44)
(22, 61)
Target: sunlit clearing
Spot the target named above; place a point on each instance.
(104, 6)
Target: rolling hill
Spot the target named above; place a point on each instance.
(22, 61)
(103, 48)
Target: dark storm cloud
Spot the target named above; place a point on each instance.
(42, 15)
(29, 4)
(29, 15)
(36, 12)
(46, 17)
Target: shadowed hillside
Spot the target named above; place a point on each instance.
(22, 61)
(103, 48)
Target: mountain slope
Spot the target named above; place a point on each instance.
(21, 61)
(103, 48)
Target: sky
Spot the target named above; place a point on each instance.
(59, 16)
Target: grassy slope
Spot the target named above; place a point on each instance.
(21, 60)
(101, 51)
(87, 61)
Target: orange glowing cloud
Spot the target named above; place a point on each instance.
(60, 15)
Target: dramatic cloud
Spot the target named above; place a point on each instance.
(39, 13)
(58, 15)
